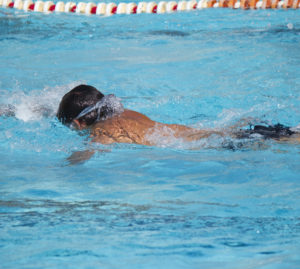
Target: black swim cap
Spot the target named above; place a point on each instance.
(75, 101)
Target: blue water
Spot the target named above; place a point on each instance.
(171, 206)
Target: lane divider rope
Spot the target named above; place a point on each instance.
(108, 9)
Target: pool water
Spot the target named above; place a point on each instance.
(174, 205)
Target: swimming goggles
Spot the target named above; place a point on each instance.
(111, 102)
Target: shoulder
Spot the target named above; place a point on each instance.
(101, 130)
(101, 134)
(134, 115)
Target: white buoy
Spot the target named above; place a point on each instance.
(191, 5)
(171, 6)
(162, 7)
(80, 8)
(181, 6)
(89, 7)
(110, 9)
(151, 7)
(6, 3)
(280, 4)
(202, 4)
(69, 6)
(47, 6)
(259, 4)
(59, 7)
(121, 8)
(131, 8)
(18, 4)
(237, 4)
(101, 9)
(26, 5)
(141, 8)
(39, 6)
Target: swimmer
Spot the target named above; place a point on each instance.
(86, 108)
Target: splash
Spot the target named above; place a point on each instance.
(165, 137)
(220, 138)
(36, 104)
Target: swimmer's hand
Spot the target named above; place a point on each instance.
(80, 156)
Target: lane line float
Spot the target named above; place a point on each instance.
(108, 9)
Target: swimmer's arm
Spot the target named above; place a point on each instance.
(80, 156)
(294, 139)
(192, 134)
(200, 134)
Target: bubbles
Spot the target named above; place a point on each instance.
(290, 26)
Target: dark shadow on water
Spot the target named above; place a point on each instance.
(169, 33)
(269, 252)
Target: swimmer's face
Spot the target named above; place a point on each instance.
(79, 125)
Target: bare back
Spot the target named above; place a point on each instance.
(135, 128)
(128, 127)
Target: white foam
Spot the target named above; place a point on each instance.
(24, 112)
(164, 137)
(296, 129)
(36, 104)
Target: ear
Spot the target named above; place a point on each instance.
(80, 125)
